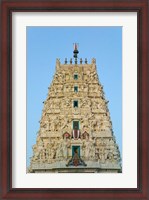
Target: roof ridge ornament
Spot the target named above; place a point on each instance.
(75, 52)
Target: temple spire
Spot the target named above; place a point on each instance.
(75, 52)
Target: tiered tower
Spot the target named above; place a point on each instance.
(75, 132)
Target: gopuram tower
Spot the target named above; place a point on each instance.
(75, 133)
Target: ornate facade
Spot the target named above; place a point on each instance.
(75, 132)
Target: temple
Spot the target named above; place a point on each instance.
(75, 134)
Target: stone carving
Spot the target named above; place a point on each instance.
(106, 150)
(59, 88)
(84, 87)
(59, 77)
(54, 124)
(59, 152)
(95, 125)
(67, 103)
(93, 76)
(85, 103)
(55, 142)
(89, 148)
(62, 150)
(84, 135)
(105, 122)
(66, 124)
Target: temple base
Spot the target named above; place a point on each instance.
(88, 167)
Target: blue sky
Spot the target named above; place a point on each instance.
(45, 44)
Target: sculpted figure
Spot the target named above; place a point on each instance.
(87, 149)
(101, 106)
(65, 123)
(35, 153)
(52, 91)
(46, 154)
(62, 150)
(52, 155)
(54, 124)
(105, 122)
(84, 87)
(51, 125)
(65, 146)
(67, 88)
(94, 104)
(85, 121)
(43, 155)
(110, 156)
(116, 155)
(49, 152)
(101, 154)
(67, 103)
(95, 88)
(92, 148)
(40, 144)
(95, 125)
(85, 103)
(59, 77)
(59, 88)
(59, 152)
(57, 123)
(92, 74)
(52, 150)
(106, 153)
(111, 142)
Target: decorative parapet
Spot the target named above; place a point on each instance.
(71, 61)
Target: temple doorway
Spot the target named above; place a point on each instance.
(75, 149)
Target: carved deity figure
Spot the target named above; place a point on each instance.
(95, 125)
(59, 77)
(85, 102)
(59, 152)
(86, 149)
(92, 149)
(84, 87)
(66, 103)
(89, 148)
(66, 124)
(62, 150)
(66, 144)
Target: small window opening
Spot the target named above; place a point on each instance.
(75, 88)
(75, 104)
(76, 76)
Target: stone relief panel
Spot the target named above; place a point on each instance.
(103, 150)
(59, 77)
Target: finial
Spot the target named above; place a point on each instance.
(65, 60)
(93, 61)
(75, 52)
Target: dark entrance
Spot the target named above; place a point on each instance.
(76, 160)
(75, 149)
(76, 125)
